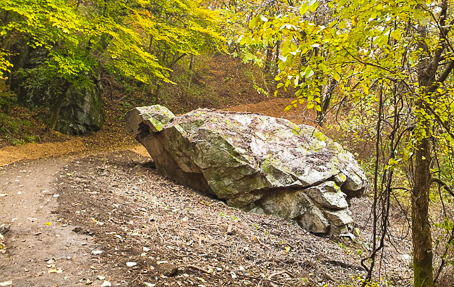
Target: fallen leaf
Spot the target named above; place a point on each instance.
(201, 279)
(55, 270)
(48, 223)
(6, 283)
(96, 252)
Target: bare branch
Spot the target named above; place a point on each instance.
(442, 184)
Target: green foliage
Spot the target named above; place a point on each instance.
(392, 63)
(7, 98)
(135, 39)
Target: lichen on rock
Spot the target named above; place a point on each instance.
(255, 162)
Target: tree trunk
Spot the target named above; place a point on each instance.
(421, 232)
(191, 63)
(191, 74)
(269, 56)
(422, 239)
(276, 58)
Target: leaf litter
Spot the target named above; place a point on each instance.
(156, 232)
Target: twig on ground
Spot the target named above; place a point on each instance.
(267, 247)
(157, 229)
(196, 267)
(280, 273)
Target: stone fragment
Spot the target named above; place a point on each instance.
(328, 195)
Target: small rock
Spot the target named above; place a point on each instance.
(4, 228)
(168, 269)
(106, 284)
(348, 235)
(77, 229)
(51, 261)
(131, 264)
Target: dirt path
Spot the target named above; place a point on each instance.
(41, 251)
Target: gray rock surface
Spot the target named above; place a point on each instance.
(254, 162)
(82, 110)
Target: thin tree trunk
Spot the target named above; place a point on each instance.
(150, 44)
(276, 57)
(191, 74)
(191, 63)
(269, 56)
(422, 239)
(158, 88)
(421, 232)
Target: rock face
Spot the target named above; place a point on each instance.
(83, 108)
(254, 162)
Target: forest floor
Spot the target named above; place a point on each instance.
(86, 216)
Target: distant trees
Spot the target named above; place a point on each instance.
(139, 39)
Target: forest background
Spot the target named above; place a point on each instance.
(375, 74)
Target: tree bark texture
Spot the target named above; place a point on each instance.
(422, 239)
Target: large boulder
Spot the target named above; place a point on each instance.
(254, 162)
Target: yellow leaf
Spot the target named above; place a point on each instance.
(48, 223)
(313, 6)
(396, 34)
(304, 8)
(55, 270)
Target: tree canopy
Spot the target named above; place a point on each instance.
(125, 37)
